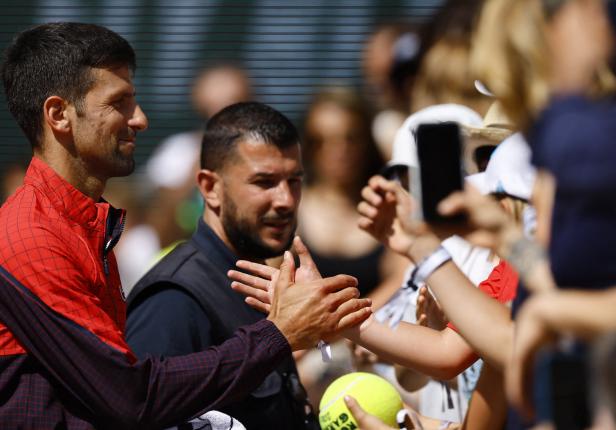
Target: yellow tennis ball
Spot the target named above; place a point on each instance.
(374, 394)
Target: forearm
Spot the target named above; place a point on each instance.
(152, 392)
(528, 258)
(436, 354)
(482, 321)
(488, 406)
(584, 314)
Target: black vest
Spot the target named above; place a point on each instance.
(280, 401)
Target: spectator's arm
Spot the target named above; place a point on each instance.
(439, 354)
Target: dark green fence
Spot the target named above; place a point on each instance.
(289, 48)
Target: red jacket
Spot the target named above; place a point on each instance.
(57, 242)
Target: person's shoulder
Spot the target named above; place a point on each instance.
(169, 295)
(165, 301)
(28, 223)
(21, 212)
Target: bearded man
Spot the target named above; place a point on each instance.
(251, 179)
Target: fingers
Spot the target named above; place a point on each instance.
(367, 210)
(371, 196)
(365, 223)
(364, 355)
(257, 269)
(422, 320)
(250, 291)
(453, 204)
(300, 247)
(305, 259)
(358, 413)
(380, 191)
(258, 305)
(286, 275)
(353, 313)
(379, 183)
(338, 298)
(336, 283)
(364, 420)
(249, 280)
(421, 299)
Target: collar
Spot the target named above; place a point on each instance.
(209, 243)
(75, 205)
(65, 198)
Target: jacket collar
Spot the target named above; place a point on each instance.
(65, 198)
(75, 205)
(209, 243)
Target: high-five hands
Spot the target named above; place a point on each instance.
(304, 310)
(256, 284)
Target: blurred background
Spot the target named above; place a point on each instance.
(288, 49)
(352, 62)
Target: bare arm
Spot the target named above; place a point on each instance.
(488, 328)
(583, 314)
(488, 407)
(439, 354)
(482, 321)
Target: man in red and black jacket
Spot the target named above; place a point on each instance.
(64, 362)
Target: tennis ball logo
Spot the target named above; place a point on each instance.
(373, 393)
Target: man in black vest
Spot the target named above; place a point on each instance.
(251, 179)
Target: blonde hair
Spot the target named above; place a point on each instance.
(511, 56)
(445, 77)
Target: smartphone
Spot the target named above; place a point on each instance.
(439, 150)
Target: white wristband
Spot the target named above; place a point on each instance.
(430, 264)
(326, 351)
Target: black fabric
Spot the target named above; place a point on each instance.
(574, 140)
(171, 323)
(366, 267)
(199, 268)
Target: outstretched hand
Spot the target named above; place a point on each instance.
(304, 306)
(386, 214)
(429, 312)
(256, 284)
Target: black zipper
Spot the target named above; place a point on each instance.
(116, 220)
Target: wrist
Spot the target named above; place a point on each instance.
(509, 235)
(423, 247)
(525, 255)
(429, 265)
(354, 334)
(291, 338)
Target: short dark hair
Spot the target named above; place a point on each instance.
(56, 59)
(241, 121)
